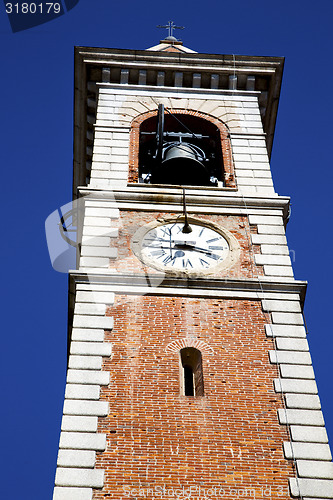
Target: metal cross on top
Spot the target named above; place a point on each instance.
(170, 27)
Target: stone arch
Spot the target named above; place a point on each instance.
(228, 166)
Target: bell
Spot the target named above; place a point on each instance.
(182, 164)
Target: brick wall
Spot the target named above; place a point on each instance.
(230, 439)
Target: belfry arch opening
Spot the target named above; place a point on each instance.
(180, 149)
(191, 375)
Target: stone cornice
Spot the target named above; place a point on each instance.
(251, 288)
(209, 200)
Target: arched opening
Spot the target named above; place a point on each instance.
(180, 149)
(191, 376)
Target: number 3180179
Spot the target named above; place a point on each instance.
(33, 8)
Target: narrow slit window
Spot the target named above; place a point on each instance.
(191, 375)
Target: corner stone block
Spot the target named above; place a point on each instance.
(75, 423)
(301, 417)
(303, 401)
(76, 458)
(297, 371)
(61, 493)
(307, 451)
(265, 219)
(88, 335)
(91, 309)
(86, 407)
(85, 362)
(91, 348)
(104, 322)
(314, 488)
(281, 306)
(296, 386)
(80, 477)
(290, 357)
(78, 391)
(95, 297)
(287, 318)
(285, 331)
(90, 377)
(82, 441)
(292, 344)
(316, 469)
(307, 433)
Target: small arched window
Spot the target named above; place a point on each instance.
(191, 376)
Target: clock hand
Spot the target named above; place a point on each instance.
(186, 246)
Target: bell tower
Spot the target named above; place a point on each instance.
(189, 373)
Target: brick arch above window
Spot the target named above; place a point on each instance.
(181, 343)
(228, 166)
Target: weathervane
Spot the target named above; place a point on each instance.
(170, 27)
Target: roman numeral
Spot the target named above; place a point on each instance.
(157, 253)
(204, 263)
(213, 239)
(187, 263)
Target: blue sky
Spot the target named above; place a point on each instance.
(36, 158)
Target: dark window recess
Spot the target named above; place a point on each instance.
(180, 149)
(188, 381)
(191, 376)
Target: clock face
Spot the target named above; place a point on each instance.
(167, 247)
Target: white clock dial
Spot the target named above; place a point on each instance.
(170, 248)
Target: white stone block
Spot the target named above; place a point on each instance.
(89, 377)
(272, 260)
(297, 386)
(106, 322)
(281, 306)
(287, 318)
(85, 362)
(91, 348)
(285, 331)
(108, 213)
(80, 477)
(89, 408)
(93, 262)
(269, 239)
(76, 458)
(307, 451)
(79, 391)
(95, 297)
(314, 488)
(275, 249)
(317, 469)
(297, 371)
(269, 229)
(265, 219)
(96, 241)
(290, 357)
(88, 334)
(62, 493)
(97, 221)
(303, 401)
(95, 251)
(90, 309)
(301, 417)
(308, 433)
(75, 423)
(82, 441)
(283, 271)
(97, 232)
(288, 344)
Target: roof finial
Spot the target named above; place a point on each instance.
(171, 27)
